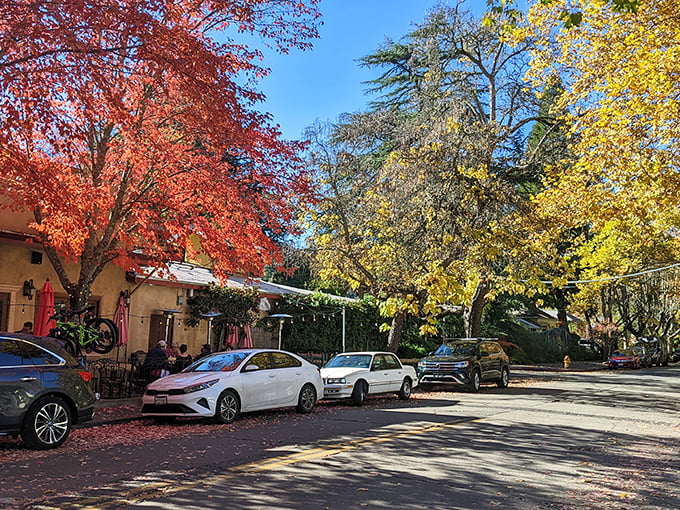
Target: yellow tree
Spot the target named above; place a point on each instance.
(423, 190)
(621, 73)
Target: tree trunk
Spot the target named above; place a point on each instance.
(473, 314)
(394, 338)
(561, 303)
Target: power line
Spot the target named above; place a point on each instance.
(619, 277)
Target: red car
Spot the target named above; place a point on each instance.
(626, 358)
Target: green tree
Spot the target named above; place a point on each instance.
(422, 192)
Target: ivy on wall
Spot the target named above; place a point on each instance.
(316, 324)
(236, 307)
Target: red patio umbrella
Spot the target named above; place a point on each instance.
(232, 337)
(247, 340)
(44, 321)
(120, 318)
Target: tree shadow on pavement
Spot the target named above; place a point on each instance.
(479, 465)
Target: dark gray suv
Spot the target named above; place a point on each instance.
(44, 391)
(465, 361)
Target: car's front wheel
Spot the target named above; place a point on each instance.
(228, 407)
(47, 424)
(405, 391)
(475, 381)
(504, 379)
(359, 393)
(306, 400)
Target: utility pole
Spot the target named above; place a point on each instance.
(343, 330)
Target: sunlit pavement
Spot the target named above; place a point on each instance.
(552, 440)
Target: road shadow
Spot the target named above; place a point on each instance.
(475, 465)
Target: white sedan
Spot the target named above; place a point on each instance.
(225, 384)
(358, 374)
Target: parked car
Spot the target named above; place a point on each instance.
(656, 350)
(225, 384)
(466, 361)
(625, 358)
(44, 391)
(675, 355)
(358, 374)
(646, 359)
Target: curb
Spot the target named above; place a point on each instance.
(534, 368)
(117, 421)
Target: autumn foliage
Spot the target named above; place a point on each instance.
(620, 70)
(133, 126)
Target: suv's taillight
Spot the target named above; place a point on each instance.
(87, 376)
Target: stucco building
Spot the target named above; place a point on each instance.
(157, 304)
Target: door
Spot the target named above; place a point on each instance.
(157, 330)
(289, 378)
(4, 311)
(396, 372)
(19, 382)
(380, 375)
(490, 358)
(258, 380)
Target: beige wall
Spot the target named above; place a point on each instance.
(149, 299)
(145, 300)
(16, 267)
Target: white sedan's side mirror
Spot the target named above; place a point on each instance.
(251, 368)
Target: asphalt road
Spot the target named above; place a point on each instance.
(567, 440)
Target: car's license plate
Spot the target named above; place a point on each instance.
(160, 400)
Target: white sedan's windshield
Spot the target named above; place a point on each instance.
(350, 360)
(220, 362)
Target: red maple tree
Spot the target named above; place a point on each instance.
(127, 126)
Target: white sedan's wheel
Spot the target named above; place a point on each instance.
(359, 393)
(228, 407)
(307, 399)
(405, 391)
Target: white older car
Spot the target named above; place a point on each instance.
(358, 374)
(225, 384)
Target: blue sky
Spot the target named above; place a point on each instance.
(324, 82)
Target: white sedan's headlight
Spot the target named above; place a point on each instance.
(336, 380)
(200, 387)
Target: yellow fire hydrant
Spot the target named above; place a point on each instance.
(567, 361)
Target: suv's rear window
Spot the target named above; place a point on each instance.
(15, 353)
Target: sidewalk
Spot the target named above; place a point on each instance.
(576, 366)
(113, 411)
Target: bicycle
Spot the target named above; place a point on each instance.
(87, 332)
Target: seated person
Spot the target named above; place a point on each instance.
(156, 360)
(27, 329)
(184, 359)
(173, 352)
